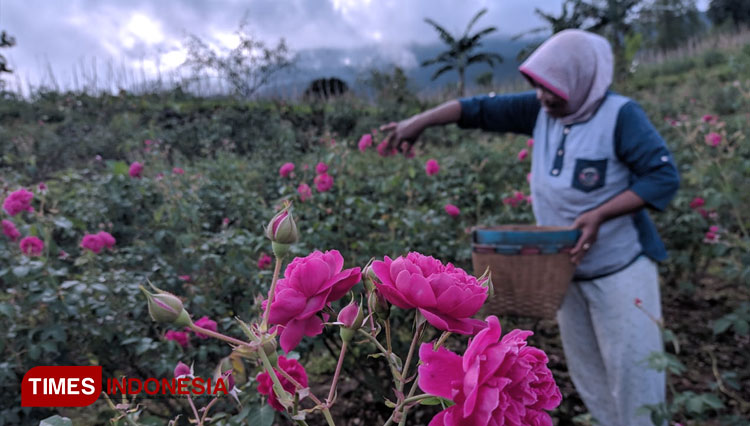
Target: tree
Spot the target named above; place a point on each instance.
(5, 41)
(668, 23)
(247, 67)
(460, 53)
(736, 12)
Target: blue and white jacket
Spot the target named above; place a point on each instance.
(576, 168)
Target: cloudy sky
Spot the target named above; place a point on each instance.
(141, 35)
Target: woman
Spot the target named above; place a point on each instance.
(597, 163)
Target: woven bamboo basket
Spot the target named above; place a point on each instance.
(530, 266)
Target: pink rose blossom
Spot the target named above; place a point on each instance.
(365, 142)
(708, 118)
(181, 337)
(264, 261)
(522, 154)
(286, 169)
(697, 202)
(348, 316)
(18, 201)
(293, 368)
(496, 382)
(182, 370)
(147, 142)
(185, 278)
(310, 284)
(10, 230)
(445, 295)
(713, 139)
(304, 191)
(530, 143)
(32, 246)
(135, 170)
(321, 168)
(178, 171)
(42, 188)
(452, 210)
(107, 239)
(383, 149)
(431, 167)
(323, 182)
(208, 324)
(712, 236)
(225, 221)
(92, 242)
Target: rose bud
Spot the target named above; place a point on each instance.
(166, 307)
(350, 319)
(282, 229)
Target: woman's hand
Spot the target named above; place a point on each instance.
(402, 135)
(589, 223)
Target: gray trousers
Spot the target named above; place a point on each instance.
(606, 339)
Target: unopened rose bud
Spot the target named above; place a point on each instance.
(282, 229)
(166, 307)
(182, 370)
(377, 303)
(350, 319)
(369, 277)
(224, 371)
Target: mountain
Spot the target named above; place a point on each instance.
(352, 65)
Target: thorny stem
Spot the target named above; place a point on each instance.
(388, 335)
(195, 411)
(407, 401)
(299, 386)
(216, 335)
(130, 421)
(332, 392)
(276, 271)
(414, 342)
(403, 403)
(207, 408)
(394, 370)
(720, 382)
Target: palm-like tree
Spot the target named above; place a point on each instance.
(460, 53)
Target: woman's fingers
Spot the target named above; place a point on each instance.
(388, 127)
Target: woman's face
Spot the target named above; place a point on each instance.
(554, 105)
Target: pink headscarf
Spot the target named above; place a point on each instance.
(575, 65)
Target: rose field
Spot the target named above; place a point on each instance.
(144, 233)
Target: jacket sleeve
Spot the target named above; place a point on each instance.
(516, 113)
(654, 175)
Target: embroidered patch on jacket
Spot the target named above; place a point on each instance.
(589, 175)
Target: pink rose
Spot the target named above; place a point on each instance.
(522, 154)
(431, 167)
(185, 278)
(107, 239)
(310, 283)
(10, 230)
(92, 242)
(304, 191)
(294, 369)
(180, 337)
(323, 182)
(365, 142)
(445, 295)
(135, 169)
(697, 202)
(348, 316)
(496, 381)
(452, 210)
(182, 370)
(530, 143)
(225, 221)
(208, 324)
(18, 201)
(264, 261)
(32, 246)
(713, 139)
(178, 171)
(708, 118)
(42, 187)
(147, 142)
(286, 169)
(321, 168)
(383, 149)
